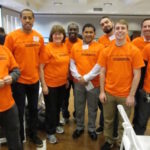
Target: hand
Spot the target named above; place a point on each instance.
(45, 90)
(102, 97)
(7, 79)
(2, 83)
(82, 81)
(130, 101)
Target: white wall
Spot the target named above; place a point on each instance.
(44, 23)
(10, 20)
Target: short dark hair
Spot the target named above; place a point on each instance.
(105, 17)
(57, 28)
(2, 30)
(87, 25)
(123, 22)
(26, 10)
(144, 21)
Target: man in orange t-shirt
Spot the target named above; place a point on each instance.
(72, 38)
(85, 71)
(9, 120)
(26, 45)
(107, 39)
(119, 77)
(141, 42)
(143, 111)
(107, 26)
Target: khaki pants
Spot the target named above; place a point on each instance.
(110, 108)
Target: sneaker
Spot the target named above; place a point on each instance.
(62, 121)
(37, 141)
(106, 146)
(59, 130)
(52, 138)
(99, 130)
(77, 133)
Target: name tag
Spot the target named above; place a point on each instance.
(85, 47)
(35, 38)
(112, 37)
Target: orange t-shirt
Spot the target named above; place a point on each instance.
(140, 43)
(85, 59)
(26, 49)
(69, 44)
(119, 63)
(146, 57)
(7, 63)
(56, 60)
(104, 39)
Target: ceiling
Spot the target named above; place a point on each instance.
(125, 7)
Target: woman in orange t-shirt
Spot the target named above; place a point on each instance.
(54, 72)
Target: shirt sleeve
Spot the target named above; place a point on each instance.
(9, 42)
(73, 69)
(45, 55)
(144, 53)
(93, 73)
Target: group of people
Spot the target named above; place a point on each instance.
(103, 73)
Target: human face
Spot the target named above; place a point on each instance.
(120, 32)
(73, 33)
(146, 28)
(106, 25)
(57, 37)
(88, 35)
(27, 21)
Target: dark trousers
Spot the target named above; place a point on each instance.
(20, 91)
(9, 121)
(65, 103)
(53, 103)
(136, 108)
(101, 119)
(142, 115)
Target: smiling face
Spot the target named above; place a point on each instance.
(106, 25)
(146, 28)
(88, 35)
(121, 31)
(27, 20)
(58, 37)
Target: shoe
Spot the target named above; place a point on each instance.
(59, 130)
(77, 133)
(99, 130)
(52, 138)
(64, 121)
(93, 135)
(37, 141)
(106, 146)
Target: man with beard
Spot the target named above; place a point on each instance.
(26, 45)
(72, 38)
